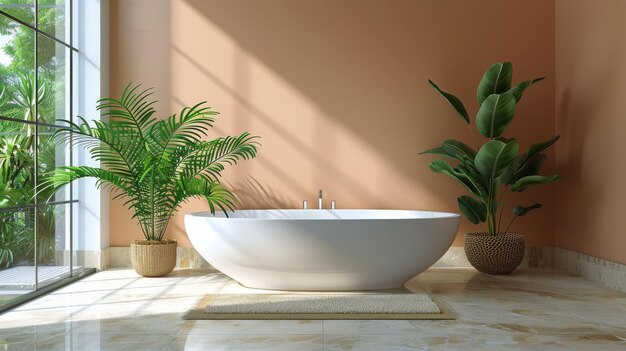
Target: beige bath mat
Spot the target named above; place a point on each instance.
(319, 306)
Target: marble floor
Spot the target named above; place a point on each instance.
(118, 310)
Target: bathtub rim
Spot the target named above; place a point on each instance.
(440, 215)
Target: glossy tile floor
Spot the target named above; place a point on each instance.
(117, 310)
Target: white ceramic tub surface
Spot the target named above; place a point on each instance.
(322, 249)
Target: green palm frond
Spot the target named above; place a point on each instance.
(210, 158)
(185, 129)
(65, 175)
(22, 100)
(212, 191)
(115, 145)
(24, 97)
(155, 165)
(134, 109)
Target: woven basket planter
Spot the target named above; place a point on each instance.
(153, 258)
(494, 254)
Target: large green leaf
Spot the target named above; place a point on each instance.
(437, 151)
(443, 167)
(495, 114)
(454, 149)
(440, 166)
(473, 209)
(495, 156)
(521, 168)
(459, 150)
(496, 80)
(520, 211)
(519, 89)
(478, 184)
(540, 147)
(454, 101)
(530, 161)
(525, 182)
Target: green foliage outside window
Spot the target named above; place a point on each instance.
(19, 101)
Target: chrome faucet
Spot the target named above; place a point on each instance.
(319, 200)
(305, 204)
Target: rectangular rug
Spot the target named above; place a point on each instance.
(319, 306)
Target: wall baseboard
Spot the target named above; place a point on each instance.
(98, 259)
(608, 273)
(186, 257)
(534, 257)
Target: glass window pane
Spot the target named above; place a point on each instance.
(53, 77)
(52, 15)
(33, 230)
(24, 10)
(17, 62)
(51, 154)
(53, 243)
(17, 271)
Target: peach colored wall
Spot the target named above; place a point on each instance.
(338, 91)
(590, 93)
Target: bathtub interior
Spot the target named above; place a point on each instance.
(347, 214)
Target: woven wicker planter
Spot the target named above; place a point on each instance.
(153, 258)
(494, 254)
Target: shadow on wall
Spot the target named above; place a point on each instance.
(252, 194)
(320, 158)
(357, 69)
(337, 89)
(364, 70)
(364, 65)
(583, 118)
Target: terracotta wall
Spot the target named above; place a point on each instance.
(590, 93)
(338, 91)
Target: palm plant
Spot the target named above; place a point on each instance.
(16, 189)
(17, 169)
(16, 160)
(26, 101)
(496, 168)
(155, 165)
(16, 236)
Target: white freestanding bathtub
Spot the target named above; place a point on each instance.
(322, 249)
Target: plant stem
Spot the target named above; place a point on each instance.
(502, 206)
(510, 223)
(499, 225)
(490, 209)
(152, 205)
(473, 137)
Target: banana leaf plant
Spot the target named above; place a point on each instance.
(497, 168)
(154, 164)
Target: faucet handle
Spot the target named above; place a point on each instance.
(305, 204)
(332, 204)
